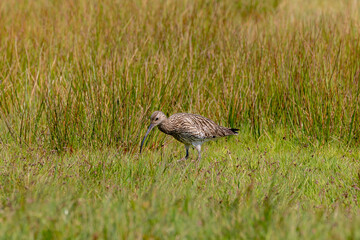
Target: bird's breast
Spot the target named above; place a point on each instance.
(165, 128)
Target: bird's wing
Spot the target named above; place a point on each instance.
(196, 125)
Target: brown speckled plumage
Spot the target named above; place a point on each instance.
(190, 129)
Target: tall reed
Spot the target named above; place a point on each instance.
(89, 73)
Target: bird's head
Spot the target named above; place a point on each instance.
(156, 118)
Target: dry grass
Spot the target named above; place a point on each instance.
(84, 73)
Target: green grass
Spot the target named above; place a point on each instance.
(243, 189)
(79, 80)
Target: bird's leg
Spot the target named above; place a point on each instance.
(187, 153)
(198, 148)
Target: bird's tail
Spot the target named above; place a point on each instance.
(234, 130)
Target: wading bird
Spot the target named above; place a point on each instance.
(190, 129)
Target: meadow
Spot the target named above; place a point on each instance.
(79, 80)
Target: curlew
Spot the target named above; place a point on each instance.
(190, 129)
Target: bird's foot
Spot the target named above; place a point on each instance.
(181, 160)
(197, 162)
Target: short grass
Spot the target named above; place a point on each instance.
(243, 189)
(79, 79)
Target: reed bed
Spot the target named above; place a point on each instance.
(88, 73)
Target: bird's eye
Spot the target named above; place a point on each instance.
(156, 119)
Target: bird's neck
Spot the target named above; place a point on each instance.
(165, 126)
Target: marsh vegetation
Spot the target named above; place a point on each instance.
(79, 79)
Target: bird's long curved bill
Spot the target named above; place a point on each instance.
(147, 133)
